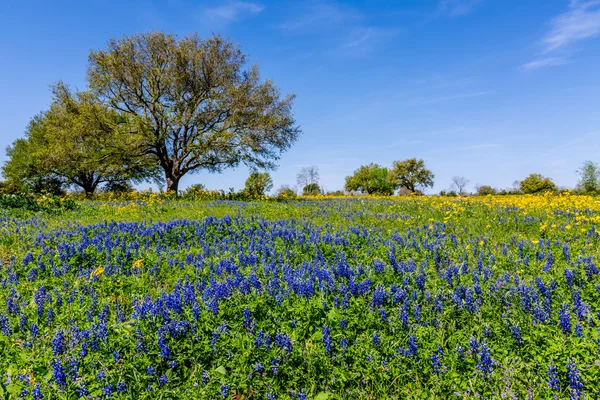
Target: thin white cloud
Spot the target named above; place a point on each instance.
(233, 10)
(581, 21)
(321, 15)
(438, 99)
(457, 8)
(542, 62)
(345, 28)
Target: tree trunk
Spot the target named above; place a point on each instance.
(172, 183)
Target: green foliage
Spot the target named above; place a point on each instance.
(257, 184)
(76, 142)
(118, 187)
(484, 190)
(285, 193)
(411, 174)
(30, 203)
(312, 189)
(193, 103)
(589, 177)
(371, 179)
(536, 183)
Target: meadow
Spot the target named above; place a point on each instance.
(317, 298)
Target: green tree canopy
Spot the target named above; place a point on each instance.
(258, 183)
(312, 189)
(411, 174)
(536, 183)
(589, 177)
(21, 172)
(371, 179)
(194, 104)
(78, 142)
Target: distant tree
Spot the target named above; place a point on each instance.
(194, 104)
(410, 174)
(536, 183)
(371, 179)
(589, 177)
(258, 183)
(312, 189)
(308, 176)
(459, 183)
(78, 142)
(484, 190)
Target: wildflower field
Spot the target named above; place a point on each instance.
(414, 297)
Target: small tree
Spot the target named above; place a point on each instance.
(77, 141)
(258, 183)
(308, 176)
(459, 183)
(536, 183)
(589, 177)
(371, 179)
(411, 174)
(312, 189)
(484, 190)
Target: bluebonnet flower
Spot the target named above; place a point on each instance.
(579, 330)
(150, 371)
(517, 336)
(553, 381)
(165, 350)
(302, 395)
(574, 380)
(376, 339)
(485, 362)
(35, 331)
(436, 360)
(37, 392)
(58, 372)
(343, 343)
(326, 338)
(413, 347)
(5, 325)
(121, 387)
(224, 390)
(247, 318)
(108, 390)
(163, 380)
(205, 377)
(565, 319)
(101, 375)
(258, 367)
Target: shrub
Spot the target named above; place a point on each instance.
(285, 193)
(536, 183)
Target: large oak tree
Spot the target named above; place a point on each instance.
(195, 104)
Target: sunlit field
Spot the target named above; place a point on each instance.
(318, 298)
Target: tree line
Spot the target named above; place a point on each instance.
(158, 107)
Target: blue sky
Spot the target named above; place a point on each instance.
(487, 89)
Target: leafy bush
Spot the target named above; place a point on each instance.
(285, 193)
(484, 190)
(312, 189)
(30, 203)
(536, 183)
